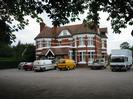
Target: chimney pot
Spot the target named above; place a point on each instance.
(42, 25)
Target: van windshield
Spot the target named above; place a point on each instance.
(117, 59)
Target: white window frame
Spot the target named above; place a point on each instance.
(82, 56)
(90, 41)
(81, 41)
(91, 56)
(48, 43)
(43, 43)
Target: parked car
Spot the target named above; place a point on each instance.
(66, 64)
(42, 65)
(28, 66)
(21, 64)
(98, 64)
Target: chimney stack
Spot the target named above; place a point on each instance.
(42, 25)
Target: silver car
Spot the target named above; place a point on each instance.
(21, 64)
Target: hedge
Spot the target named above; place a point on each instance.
(8, 64)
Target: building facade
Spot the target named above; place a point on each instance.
(78, 42)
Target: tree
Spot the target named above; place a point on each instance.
(120, 12)
(29, 54)
(125, 45)
(24, 52)
(6, 36)
(60, 11)
(6, 50)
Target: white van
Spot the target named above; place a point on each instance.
(42, 65)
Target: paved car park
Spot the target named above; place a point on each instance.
(81, 83)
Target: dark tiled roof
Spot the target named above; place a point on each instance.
(49, 32)
(103, 32)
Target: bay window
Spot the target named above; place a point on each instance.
(90, 41)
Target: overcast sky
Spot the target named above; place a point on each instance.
(114, 40)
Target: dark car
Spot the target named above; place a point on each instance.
(28, 66)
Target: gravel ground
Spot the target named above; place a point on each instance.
(81, 83)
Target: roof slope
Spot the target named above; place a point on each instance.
(49, 32)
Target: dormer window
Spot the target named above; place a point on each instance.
(64, 32)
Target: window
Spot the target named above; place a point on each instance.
(103, 55)
(91, 55)
(48, 43)
(43, 43)
(103, 43)
(64, 32)
(81, 42)
(90, 41)
(59, 43)
(71, 54)
(38, 44)
(82, 56)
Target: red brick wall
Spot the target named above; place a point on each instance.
(97, 42)
(54, 42)
(65, 42)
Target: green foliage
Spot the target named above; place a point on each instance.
(11, 56)
(24, 52)
(6, 35)
(120, 12)
(29, 54)
(20, 52)
(125, 45)
(5, 64)
(6, 50)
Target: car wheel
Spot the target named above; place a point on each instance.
(43, 69)
(35, 70)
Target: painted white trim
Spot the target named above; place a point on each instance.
(80, 46)
(40, 48)
(61, 46)
(83, 35)
(49, 50)
(64, 31)
(104, 39)
(45, 39)
(104, 52)
(69, 38)
(91, 46)
(82, 62)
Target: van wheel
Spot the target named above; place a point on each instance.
(125, 69)
(113, 70)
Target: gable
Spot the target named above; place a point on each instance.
(64, 33)
(49, 51)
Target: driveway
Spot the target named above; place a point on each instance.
(81, 83)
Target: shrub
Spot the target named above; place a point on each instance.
(8, 64)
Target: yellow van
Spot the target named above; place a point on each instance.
(66, 64)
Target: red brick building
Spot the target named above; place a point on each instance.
(78, 42)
